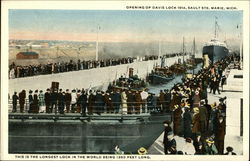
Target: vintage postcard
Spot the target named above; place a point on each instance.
(128, 80)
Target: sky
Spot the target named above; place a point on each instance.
(122, 25)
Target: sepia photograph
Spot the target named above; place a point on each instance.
(117, 81)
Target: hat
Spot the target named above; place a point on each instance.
(48, 89)
(30, 91)
(189, 140)
(229, 149)
(166, 122)
(213, 105)
(210, 140)
(142, 151)
(41, 91)
(176, 106)
(67, 90)
(196, 110)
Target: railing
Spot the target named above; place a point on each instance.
(97, 107)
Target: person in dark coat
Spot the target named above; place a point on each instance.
(130, 101)
(220, 134)
(22, 96)
(138, 101)
(116, 100)
(177, 120)
(35, 102)
(99, 102)
(162, 100)
(203, 118)
(167, 98)
(210, 148)
(230, 151)
(61, 101)
(30, 102)
(171, 144)
(108, 102)
(209, 109)
(54, 100)
(67, 100)
(14, 101)
(83, 100)
(91, 102)
(167, 131)
(47, 100)
(187, 121)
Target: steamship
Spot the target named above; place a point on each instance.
(215, 49)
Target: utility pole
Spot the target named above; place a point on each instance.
(97, 41)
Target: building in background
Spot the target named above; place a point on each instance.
(27, 55)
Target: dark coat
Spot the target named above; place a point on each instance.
(14, 99)
(47, 98)
(54, 97)
(187, 121)
(203, 113)
(166, 131)
(68, 97)
(196, 123)
(22, 96)
(30, 98)
(221, 130)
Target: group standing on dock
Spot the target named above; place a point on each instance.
(200, 123)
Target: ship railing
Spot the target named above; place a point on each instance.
(98, 107)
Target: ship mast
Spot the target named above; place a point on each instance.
(183, 49)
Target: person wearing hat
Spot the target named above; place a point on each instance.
(210, 148)
(171, 144)
(118, 150)
(177, 115)
(78, 103)
(167, 131)
(196, 99)
(220, 134)
(83, 101)
(41, 102)
(230, 151)
(142, 151)
(61, 101)
(14, 101)
(187, 121)
(167, 98)
(30, 101)
(116, 99)
(67, 100)
(161, 100)
(138, 101)
(73, 100)
(22, 96)
(214, 118)
(130, 99)
(54, 100)
(35, 102)
(203, 118)
(91, 102)
(47, 100)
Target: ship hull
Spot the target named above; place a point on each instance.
(215, 52)
(84, 135)
(157, 79)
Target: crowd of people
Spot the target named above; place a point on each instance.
(17, 71)
(202, 125)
